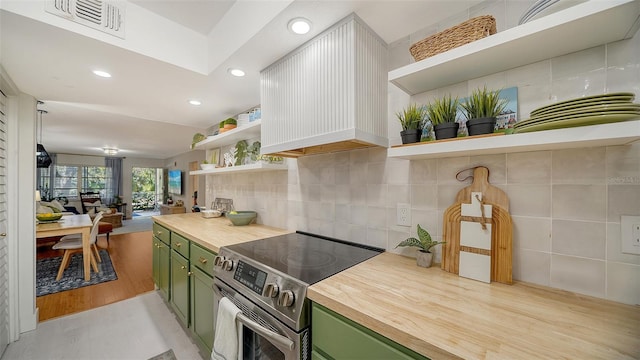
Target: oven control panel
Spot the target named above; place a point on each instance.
(268, 286)
(250, 277)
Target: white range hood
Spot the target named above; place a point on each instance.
(328, 95)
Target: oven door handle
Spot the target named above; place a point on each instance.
(277, 339)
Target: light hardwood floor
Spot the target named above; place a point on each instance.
(131, 257)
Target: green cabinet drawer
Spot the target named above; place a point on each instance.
(162, 233)
(202, 259)
(336, 337)
(180, 244)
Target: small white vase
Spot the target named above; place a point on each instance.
(424, 259)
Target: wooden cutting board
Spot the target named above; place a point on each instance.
(501, 232)
(490, 194)
(501, 243)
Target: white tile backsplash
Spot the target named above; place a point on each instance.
(580, 202)
(579, 166)
(622, 283)
(565, 204)
(579, 238)
(582, 275)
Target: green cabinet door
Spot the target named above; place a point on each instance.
(180, 287)
(164, 265)
(336, 337)
(202, 316)
(155, 251)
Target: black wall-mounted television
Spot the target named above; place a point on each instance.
(175, 182)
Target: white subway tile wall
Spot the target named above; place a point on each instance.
(565, 204)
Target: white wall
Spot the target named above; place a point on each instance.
(182, 162)
(565, 204)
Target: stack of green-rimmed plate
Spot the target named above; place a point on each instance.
(591, 110)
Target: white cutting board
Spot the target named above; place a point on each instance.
(473, 265)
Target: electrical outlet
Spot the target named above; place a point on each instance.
(630, 230)
(404, 214)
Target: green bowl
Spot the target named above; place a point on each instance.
(242, 217)
(48, 216)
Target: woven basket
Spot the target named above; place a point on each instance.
(464, 33)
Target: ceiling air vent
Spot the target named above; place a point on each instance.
(100, 15)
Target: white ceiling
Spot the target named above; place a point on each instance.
(174, 51)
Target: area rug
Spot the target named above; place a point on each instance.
(167, 355)
(73, 277)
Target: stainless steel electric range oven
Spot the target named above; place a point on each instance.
(267, 280)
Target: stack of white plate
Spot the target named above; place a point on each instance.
(590, 110)
(545, 7)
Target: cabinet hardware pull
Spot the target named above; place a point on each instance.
(189, 273)
(183, 267)
(3, 234)
(178, 244)
(203, 260)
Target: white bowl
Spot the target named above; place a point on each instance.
(207, 166)
(211, 213)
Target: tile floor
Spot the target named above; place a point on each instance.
(137, 328)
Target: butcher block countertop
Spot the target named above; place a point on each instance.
(213, 233)
(444, 316)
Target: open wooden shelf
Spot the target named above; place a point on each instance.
(577, 28)
(242, 168)
(231, 137)
(621, 133)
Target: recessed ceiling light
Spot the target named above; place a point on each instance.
(101, 73)
(110, 151)
(194, 102)
(300, 26)
(236, 72)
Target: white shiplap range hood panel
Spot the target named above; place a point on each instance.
(328, 95)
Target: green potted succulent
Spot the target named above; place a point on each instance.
(221, 128)
(442, 114)
(424, 243)
(481, 110)
(230, 123)
(412, 121)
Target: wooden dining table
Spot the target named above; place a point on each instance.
(71, 224)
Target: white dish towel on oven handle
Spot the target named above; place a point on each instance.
(227, 344)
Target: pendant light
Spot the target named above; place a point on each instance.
(43, 160)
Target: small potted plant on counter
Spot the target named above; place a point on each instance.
(442, 113)
(481, 109)
(412, 121)
(221, 128)
(424, 243)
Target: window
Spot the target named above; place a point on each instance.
(70, 180)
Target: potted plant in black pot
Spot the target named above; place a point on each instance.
(424, 243)
(481, 109)
(442, 113)
(412, 121)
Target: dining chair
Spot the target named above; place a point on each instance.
(72, 244)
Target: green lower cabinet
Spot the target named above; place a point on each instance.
(202, 316)
(183, 272)
(161, 264)
(180, 287)
(336, 337)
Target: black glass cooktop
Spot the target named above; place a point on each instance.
(306, 257)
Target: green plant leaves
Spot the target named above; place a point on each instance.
(483, 103)
(412, 117)
(410, 242)
(443, 110)
(425, 243)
